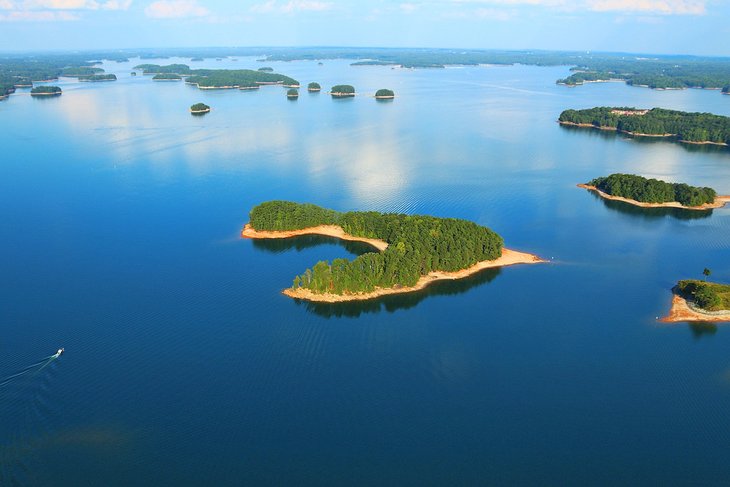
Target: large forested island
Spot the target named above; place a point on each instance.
(694, 128)
(696, 300)
(98, 77)
(45, 91)
(653, 193)
(415, 250)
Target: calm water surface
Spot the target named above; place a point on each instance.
(184, 364)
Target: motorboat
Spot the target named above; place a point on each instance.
(60, 352)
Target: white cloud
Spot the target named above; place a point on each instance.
(175, 9)
(272, 6)
(66, 5)
(408, 7)
(37, 16)
(6, 5)
(661, 7)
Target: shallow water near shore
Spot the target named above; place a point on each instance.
(184, 364)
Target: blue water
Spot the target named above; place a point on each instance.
(184, 364)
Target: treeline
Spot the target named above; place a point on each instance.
(167, 77)
(45, 90)
(707, 295)
(167, 69)
(690, 127)
(384, 93)
(98, 77)
(417, 245)
(639, 188)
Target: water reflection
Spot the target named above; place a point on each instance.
(702, 328)
(652, 213)
(299, 243)
(397, 302)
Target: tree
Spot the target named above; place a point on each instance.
(706, 273)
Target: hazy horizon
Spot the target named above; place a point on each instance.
(658, 27)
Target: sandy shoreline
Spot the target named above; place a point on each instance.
(509, 257)
(720, 201)
(681, 312)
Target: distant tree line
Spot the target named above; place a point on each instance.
(653, 190)
(707, 295)
(417, 245)
(691, 127)
(98, 77)
(45, 90)
(167, 77)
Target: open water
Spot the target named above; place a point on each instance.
(119, 240)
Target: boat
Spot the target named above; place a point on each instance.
(60, 352)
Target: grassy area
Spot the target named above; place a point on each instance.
(707, 295)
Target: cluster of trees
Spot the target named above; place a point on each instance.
(691, 127)
(167, 77)
(79, 71)
(653, 190)
(199, 108)
(384, 93)
(342, 90)
(46, 90)
(238, 78)
(313, 86)
(98, 77)
(417, 245)
(292, 93)
(167, 69)
(707, 295)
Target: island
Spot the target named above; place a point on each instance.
(384, 94)
(78, 71)
(134, 73)
(199, 108)
(211, 79)
(167, 77)
(45, 91)
(342, 91)
(413, 250)
(313, 87)
(196, 59)
(654, 193)
(695, 300)
(691, 128)
(292, 93)
(93, 78)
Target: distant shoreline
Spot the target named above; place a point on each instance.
(719, 202)
(508, 257)
(682, 311)
(639, 134)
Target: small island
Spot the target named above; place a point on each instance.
(313, 87)
(46, 91)
(686, 127)
(413, 250)
(196, 59)
(199, 108)
(653, 193)
(342, 91)
(292, 93)
(93, 78)
(384, 94)
(167, 77)
(695, 300)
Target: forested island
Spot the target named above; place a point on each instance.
(654, 193)
(167, 77)
(694, 128)
(45, 91)
(341, 91)
(414, 250)
(312, 87)
(79, 71)
(292, 93)
(98, 77)
(695, 300)
(199, 108)
(384, 94)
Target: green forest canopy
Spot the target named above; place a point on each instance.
(98, 77)
(707, 295)
(383, 92)
(313, 86)
(342, 90)
(45, 90)
(167, 77)
(199, 107)
(691, 127)
(639, 188)
(292, 93)
(417, 245)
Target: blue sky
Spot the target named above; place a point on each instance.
(650, 26)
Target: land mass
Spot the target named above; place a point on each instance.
(691, 128)
(653, 193)
(414, 250)
(695, 300)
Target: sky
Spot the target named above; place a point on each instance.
(640, 26)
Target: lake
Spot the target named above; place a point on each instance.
(184, 364)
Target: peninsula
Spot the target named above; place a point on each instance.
(414, 250)
(653, 193)
(695, 300)
(686, 127)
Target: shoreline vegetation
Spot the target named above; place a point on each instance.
(46, 91)
(199, 108)
(414, 250)
(653, 193)
(342, 91)
(684, 127)
(694, 300)
(384, 94)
